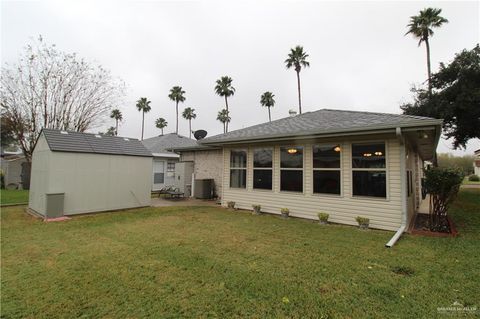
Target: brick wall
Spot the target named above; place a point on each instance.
(207, 164)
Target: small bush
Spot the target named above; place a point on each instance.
(257, 209)
(323, 217)
(362, 220)
(231, 205)
(285, 212)
(474, 178)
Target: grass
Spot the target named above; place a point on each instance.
(13, 196)
(209, 262)
(467, 182)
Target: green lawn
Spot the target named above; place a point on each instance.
(210, 262)
(13, 196)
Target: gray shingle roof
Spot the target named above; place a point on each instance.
(319, 122)
(76, 142)
(167, 142)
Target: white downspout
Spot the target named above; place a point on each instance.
(403, 186)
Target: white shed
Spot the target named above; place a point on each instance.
(75, 173)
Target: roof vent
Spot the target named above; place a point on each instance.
(64, 132)
(126, 139)
(292, 112)
(98, 136)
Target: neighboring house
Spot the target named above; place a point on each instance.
(476, 163)
(164, 160)
(75, 173)
(345, 163)
(11, 165)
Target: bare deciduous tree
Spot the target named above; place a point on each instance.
(49, 88)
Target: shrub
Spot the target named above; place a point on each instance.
(285, 212)
(257, 209)
(323, 217)
(231, 205)
(474, 178)
(362, 221)
(442, 184)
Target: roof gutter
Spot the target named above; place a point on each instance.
(403, 173)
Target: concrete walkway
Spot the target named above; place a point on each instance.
(162, 202)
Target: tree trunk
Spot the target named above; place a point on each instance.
(299, 96)
(228, 113)
(190, 128)
(176, 129)
(269, 116)
(429, 70)
(116, 127)
(143, 121)
(162, 131)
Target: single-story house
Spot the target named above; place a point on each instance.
(346, 163)
(164, 158)
(476, 163)
(12, 166)
(75, 173)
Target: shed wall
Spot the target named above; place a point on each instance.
(96, 182)
(39, 176)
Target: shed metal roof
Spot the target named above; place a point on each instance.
(76, 142)
(320, 122)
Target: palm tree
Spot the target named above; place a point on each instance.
(224, 118)
(420, 27)
(176, 94)
(189, 114)
(297, 59)
(143, 105)
(267, 100)
(161, 123)
(224, 88)
(117, 115)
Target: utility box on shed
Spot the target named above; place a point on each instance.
(55, 203)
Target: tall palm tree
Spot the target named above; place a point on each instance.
(224, 118)
(143, 105)
(117, 115)
(177, 95)
(267, 100)
(297, 58)
(223, 87)
(189, 114)
(161, 123)
(421, 26)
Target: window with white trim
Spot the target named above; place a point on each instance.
(369, 172)
(326, 169)
(262, 168)
(171, 167)
(291, 169)
(238, 168)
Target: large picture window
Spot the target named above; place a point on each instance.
(291, 169)
(238, 169)
(262, 168)
(369, 171)
(326, 169)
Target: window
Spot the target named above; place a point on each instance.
(170, 167)
(291, 169)
(262, 168)
(369, 170)
(238, 169)
(158, 178)
(326, 169)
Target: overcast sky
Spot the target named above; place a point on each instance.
(359, 56)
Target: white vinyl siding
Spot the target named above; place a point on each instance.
(384, 213)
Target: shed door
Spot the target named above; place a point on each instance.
(158, 174)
